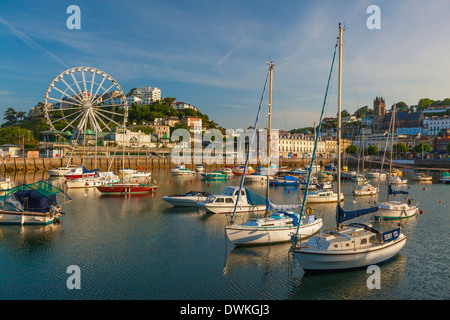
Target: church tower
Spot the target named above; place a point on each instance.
(379, 108)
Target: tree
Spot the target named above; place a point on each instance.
(448, 147)
(372, 150)
(400, 106)
(422, 147)
(10, 115)
(400, 148)
(21, 115)
(351, 149)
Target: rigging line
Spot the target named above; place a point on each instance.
(349, 67)
(315, 147)
(249, 149)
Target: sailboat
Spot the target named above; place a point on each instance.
(279, 225)
(395, 209)
(351, 246)
(366, 189)
(127, 186)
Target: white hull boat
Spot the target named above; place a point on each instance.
(181, 171)
(323, 196)
(421, 177)
(395, 210)
(59, 172)
(225, 202)
(189, 199)
(276, 228)
(350, 248)
(397, 180)
(365, 190)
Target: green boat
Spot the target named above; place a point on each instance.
(215, 175)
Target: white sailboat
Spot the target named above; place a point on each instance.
(366, 189)
(279, 225)
(351, 246)
(396, 209)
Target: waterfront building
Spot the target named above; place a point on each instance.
(182, 105)
(436, 109)
(10, 150)
(436, 124)
(299, 145)
(128, 138)
(191, 122)
(160, 130)
(414, 131)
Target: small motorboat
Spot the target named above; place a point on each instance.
(37, 203)
(200, 168)
(420, 176)
(80, 172)
(188, 199)
(181, 170)
(215, 175)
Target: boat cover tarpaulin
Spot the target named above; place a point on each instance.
(253, 198)
(270, 206)
(396, 192)
(37, 197)
(343, 215)
(89, 171)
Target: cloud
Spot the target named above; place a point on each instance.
(30, 42)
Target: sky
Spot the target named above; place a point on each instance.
(213, 54)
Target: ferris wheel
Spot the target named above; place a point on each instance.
(85, 98)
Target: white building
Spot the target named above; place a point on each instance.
(299, 145)
(436, 124)
(129, 138)
(147, 94)
(183, 105)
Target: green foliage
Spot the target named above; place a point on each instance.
(144, 129)
(400, 106)
(422, 146)
(363, 112)
(372, 150)
(10, 115)
(351, 149)
(17, 135)
(163, 109)
(400, 148)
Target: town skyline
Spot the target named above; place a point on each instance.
(213, 55)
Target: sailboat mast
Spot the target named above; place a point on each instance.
(392, 148)
(269, 128)
(339, 141)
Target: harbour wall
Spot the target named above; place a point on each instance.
(114, 164)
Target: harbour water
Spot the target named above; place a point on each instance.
(140, 247)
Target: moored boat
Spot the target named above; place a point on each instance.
(225, 202)
(188, 199)
(37, 203)
(80, 172)
(214, 175)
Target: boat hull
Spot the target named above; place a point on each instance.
(183, 201)
(395, 211)
(241, 235)
(26, 218)
(126, 189)
(339, 260)
(222, 209)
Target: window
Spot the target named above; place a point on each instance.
(364, 241)
(229, 200)
(219, 200)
